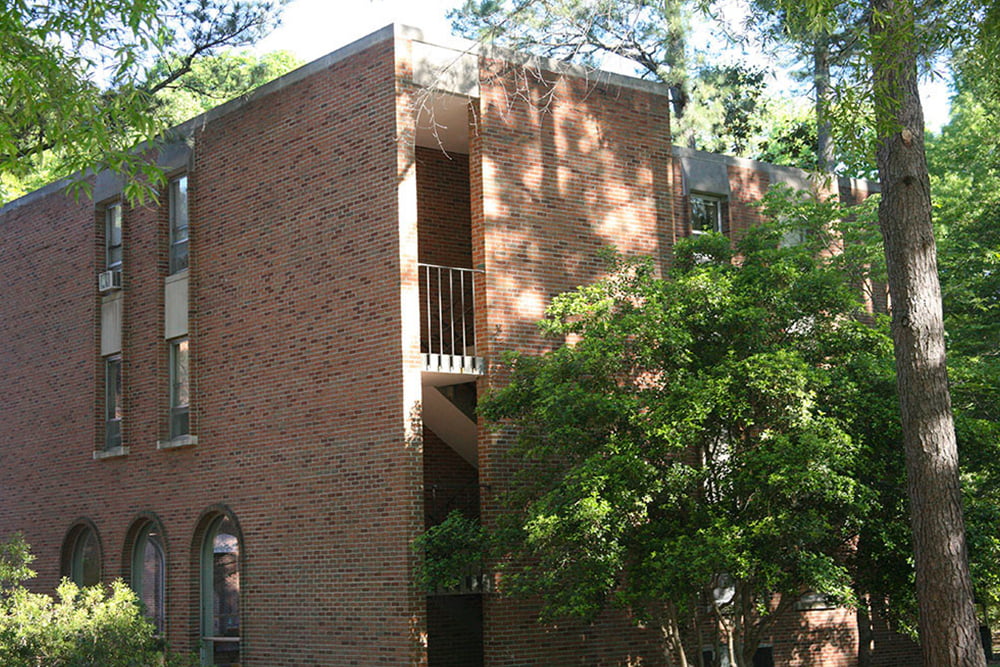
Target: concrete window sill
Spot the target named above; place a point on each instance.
(179, 441)
(111, 453)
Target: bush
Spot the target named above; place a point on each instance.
(79, 627)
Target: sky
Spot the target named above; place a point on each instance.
(313, 28)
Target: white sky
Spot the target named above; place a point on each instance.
(312, 28)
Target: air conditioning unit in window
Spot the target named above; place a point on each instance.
(109, 281)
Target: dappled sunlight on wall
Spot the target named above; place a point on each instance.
(562, 168)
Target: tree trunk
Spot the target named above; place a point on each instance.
(821, 81)
(866, 633)
(947, 626)
(671, 633)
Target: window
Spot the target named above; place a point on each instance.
(149, 573)
(112, 401)
(763, 657)
(82, 556)
(706, 213)
(113, 236)
(220, 593)
(180, 388)
(178, 224)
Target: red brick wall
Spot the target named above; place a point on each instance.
(297, 375)
(558, 174)
(745, 187)
(444, 208)
(48, 322)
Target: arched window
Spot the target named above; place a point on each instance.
(220, 593)
(82, 555)
(149, 565)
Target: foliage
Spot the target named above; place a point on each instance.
(79, 76)
(452, 550)
(730, 109)
(965, 177)
(716, 106)
(219, 78)
(651, 34)
(679, 459)
(15, 561)
(80, 627)
(789, 140)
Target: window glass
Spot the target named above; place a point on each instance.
(149, 573)
(86, 559)
(178, 224)
(113, 402)
(113, 235)
(764, 657)
(706, 214)
(180, 388)
(220, 576)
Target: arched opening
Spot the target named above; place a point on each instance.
(148, 571)
(220, 592)
(81, 558)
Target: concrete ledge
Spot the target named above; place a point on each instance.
(176, 443)
(110, 453)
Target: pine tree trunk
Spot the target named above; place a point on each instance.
(947, 626)
(821, 80)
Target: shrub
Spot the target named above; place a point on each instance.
(79, 627)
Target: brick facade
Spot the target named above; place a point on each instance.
(311, 205)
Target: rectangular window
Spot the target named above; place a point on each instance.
(706, 213)
(764, 657)
(178, 224)
(112, 401)
(180, 388)
(113, 236)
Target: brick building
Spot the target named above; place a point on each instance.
(263, 396)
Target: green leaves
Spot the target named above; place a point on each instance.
(696, 429)
(77, 628)
(79, 82)
(452, 551)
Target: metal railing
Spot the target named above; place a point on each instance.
(447, 311)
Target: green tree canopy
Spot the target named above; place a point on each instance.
(79, 76)
(681, 457)
(717, 106)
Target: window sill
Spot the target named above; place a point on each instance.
(179, 441)
(177, 275)
(110, 453)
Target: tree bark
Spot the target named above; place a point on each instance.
(866, 633)
(821, 80)
(947, 625)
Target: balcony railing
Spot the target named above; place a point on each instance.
(447, 315)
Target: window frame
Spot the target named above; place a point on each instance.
(179, 215)
(180, 413)
(113, 212)
(113, 410)
(74, 556)
(719, 202)
(207, 567)
(149, 532)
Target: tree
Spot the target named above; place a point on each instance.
(716, 106)
(965, 178)
(79, 75)
(948, 628)
(678, 459)
(80, 626)
(215, 79)
(824, 38)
